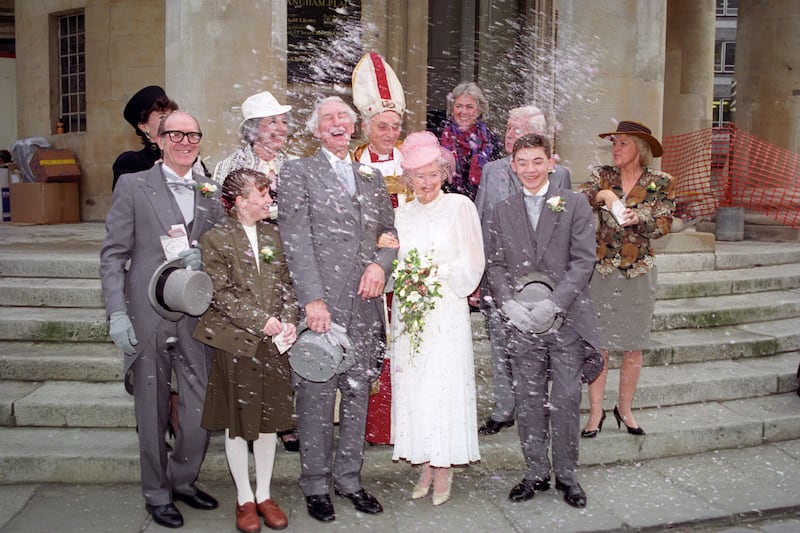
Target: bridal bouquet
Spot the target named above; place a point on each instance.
(415, 291)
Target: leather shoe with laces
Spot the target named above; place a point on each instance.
(524, 490)
(199, 500)
(573, 494)
(363, 501)
(320, 507)
(492, 426)
(166, 515)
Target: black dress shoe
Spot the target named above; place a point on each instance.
(524, 490)
(166, 515)
(292, 444)
(573, 494)
(493, 426)
(320, 507)
(198, 500)
(363, 501)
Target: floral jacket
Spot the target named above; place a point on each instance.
(629, 248)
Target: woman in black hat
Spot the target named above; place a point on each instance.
(634, 204)
(143, 111)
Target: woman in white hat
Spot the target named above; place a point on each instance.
(264, 131)
(634, 204)
(434, 415)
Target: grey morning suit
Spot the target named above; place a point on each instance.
(329, 239)
(498, 182)
(142, 209)
(563, 247)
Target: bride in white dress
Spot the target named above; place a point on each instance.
(434, 415)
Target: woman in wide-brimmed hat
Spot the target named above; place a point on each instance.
(434, 416)
(634, 204)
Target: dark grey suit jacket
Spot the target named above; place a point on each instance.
(329, 238)
(563, 247)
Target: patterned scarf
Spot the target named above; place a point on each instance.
(472, 149)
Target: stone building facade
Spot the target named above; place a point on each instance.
(586, 63)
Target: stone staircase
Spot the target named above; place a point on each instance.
(720, 369)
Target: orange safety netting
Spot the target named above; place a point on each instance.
(727, 167)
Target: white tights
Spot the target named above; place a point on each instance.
(264, 454)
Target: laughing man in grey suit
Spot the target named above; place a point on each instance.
(146, 205)
(549, 230)
(335, 210)
(498, 182)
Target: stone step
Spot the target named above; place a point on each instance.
(51, 292)
(762, 232)
(719, 282)
(45, 263)
(53, 324)
(81, 455)
(93, 405)
(725, 342)
(725, 310)
(73, 361)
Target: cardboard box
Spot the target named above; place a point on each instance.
(55, 164)
(45, 203)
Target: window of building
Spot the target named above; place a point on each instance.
(727, 8)
(71, 39)
(724, 56)
(722, 113)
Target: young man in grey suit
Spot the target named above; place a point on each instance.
(546, 231)
(334, 211)
(146, 206)
(498, 182)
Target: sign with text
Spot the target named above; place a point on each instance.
(322, 35)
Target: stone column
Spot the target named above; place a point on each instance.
(768, 71)
(689, 69)
(625, 81)
(218, 54)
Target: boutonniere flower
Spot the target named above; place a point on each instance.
(366, 172)
(268, 254)
(652, 186)
(207, 189)
(556, 204)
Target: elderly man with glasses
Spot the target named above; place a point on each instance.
(148, 209)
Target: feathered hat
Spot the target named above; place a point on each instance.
(376, 88)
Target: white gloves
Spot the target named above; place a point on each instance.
(120, 330)
(538, 319)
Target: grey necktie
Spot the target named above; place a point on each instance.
(533, 206)
(345, 172)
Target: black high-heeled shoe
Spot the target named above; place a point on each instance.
(592, 433)
(620, 421)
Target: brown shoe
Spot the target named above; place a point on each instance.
(247, 518)
(274, 518)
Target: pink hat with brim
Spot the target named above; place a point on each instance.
(422, 148)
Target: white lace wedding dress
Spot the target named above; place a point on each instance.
(434, 416)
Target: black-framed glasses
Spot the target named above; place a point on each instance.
(177, 136)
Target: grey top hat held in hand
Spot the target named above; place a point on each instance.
(175, 291)
(535, 287)
(318, 357)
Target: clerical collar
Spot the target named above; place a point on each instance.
(377, 158)
(540, 192)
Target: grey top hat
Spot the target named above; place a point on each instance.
(175, 291)
(319, 356)
(535, 287)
